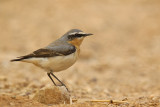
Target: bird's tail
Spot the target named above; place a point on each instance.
(21, 58)
(18, 58)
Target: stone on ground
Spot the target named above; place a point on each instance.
(52, 95)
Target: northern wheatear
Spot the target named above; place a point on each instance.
(59, 55)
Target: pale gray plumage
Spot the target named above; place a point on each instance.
(56, 48)
(58, 55)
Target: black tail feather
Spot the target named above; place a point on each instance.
(16, 59)
(19, 58)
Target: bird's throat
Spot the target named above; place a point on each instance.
(76, 42)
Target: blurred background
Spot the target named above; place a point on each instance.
(121, 60)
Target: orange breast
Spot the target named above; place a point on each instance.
(77, 43)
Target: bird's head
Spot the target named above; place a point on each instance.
(75, 36)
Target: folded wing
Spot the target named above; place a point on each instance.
(62, 50)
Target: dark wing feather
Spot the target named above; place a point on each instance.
(49, 52)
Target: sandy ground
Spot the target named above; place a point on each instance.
(119, 62)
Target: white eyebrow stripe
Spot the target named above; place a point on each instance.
(72, 33)
(76, 33)
(81, 33)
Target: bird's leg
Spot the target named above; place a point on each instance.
(59, 80)
(49, 75)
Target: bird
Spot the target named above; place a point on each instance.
(58, 55)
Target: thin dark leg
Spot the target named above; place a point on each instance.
(49, 74)
(59, 80)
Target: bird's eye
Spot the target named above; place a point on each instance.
(78, 35)
(74, 35)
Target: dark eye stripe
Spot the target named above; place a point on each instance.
(73, 36)
(78, 35)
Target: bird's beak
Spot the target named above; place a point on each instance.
(88, 34)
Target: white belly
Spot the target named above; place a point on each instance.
(55, 64)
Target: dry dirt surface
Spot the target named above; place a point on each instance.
(121, 61)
